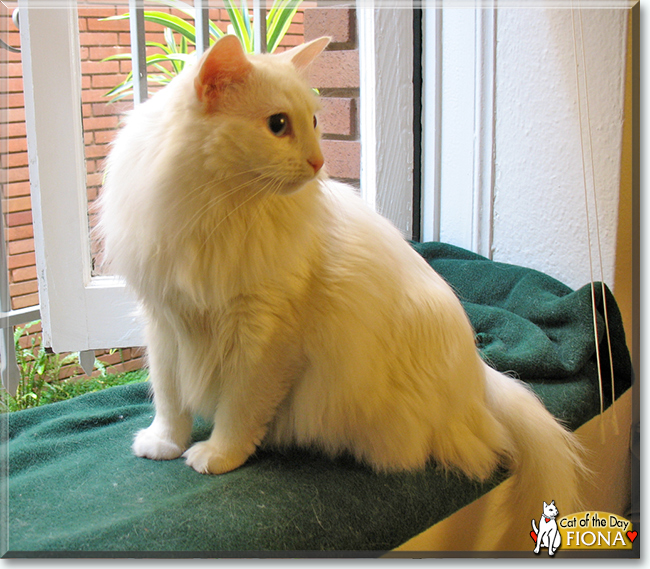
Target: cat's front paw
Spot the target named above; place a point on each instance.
(149, 443)
(208, 458)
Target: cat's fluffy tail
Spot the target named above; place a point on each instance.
(546, 462)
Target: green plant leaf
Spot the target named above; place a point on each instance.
(239, 25)
(278, 22)
(168, 20)
(173, 48)
(161, 46)
(126, 84)
(184, 7)
(188, 10)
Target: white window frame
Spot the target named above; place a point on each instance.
(386, 110)
(79, 312)
(457, 145)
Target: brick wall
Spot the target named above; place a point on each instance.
(335, 75)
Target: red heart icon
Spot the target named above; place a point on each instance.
(631, 535)
(534, 535)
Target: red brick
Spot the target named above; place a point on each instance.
(17, 204)
(98, 38)
(105, 83)
(24, 274)
(12, 37)
(104, 136)
(91, 195)
(125, 68)
(11, 69)
(342, 158)
(95, 24)
(15, 160)
(13, 100)
(289, 42)
(97, 151)
(100, 122)
(20, 289)
(68, 371)
(17, 175)
(99, 67)
(117, 109)
(15, 129)
(336, 70)
(15, 115)
(25, 301)
(295, 29)
(338, 116)
(19, 218)
(95, 12)
(14, 85)
(112, 359)
(22, 260)
(94, 180)
(22, 246)
(134, 364)
(17, 233)
(12, 57)
(18, 144)
(101, 52)
(337, 23)
(91, 166)
(17, 189)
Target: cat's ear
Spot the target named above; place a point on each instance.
(302, 55)
(224, 64)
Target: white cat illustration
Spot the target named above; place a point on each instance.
(548, 534)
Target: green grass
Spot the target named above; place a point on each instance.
(51, 392)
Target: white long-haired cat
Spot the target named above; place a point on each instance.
(281, 307)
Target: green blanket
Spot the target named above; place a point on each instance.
(74, 486)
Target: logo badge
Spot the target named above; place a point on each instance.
(583, 531)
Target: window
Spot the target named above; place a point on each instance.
(83, 310)
(496, 136)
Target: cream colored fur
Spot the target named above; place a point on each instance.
(284, 309)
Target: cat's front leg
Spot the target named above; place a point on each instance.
(169, 434)
(239, 426)
(247, 405)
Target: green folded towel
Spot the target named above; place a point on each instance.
(74, 487)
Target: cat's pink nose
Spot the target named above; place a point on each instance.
(316, 162)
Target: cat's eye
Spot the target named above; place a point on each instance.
(278, 124)
(315, 121)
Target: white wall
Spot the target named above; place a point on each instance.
(539, 203)
(503, 173)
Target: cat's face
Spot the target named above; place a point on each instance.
(550, 510)
(261, 117)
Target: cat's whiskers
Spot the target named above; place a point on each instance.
(216, 199)
(215, 180)
(254, 195)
